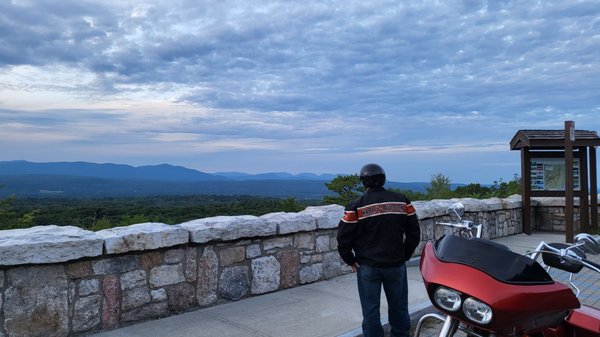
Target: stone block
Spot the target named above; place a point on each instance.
(234, 283)
(86, 315)
(133, 279)
(158, 295)
(208, 273)
(47, 244)
(174, 255)
(191, 264)
(150, 260)
(231, 255)
(291, 222)
(136, 297)
(326, 216)
(111, 302)
(323, 243)
(166, 275)
(115, 265)
(304, 241)
(79, 269)
(144, 236)
(36, 302)
(311, 273)
(278, 243)
(266, 274)
(331, 265)
(228, 228)
(88, 287)
(289, 268)
(181, 296)
(152, 310)
(253, 251)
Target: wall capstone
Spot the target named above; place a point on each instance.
(144, 236)
(327, 216)
(47, 244)
(228, 228)
(291, 222)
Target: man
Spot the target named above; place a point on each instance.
(378, 233)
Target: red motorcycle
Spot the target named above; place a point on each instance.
(485, 290)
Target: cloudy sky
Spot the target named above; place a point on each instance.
(421, 87)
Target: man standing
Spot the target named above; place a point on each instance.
(378, 233)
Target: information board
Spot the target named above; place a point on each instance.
(548, 174)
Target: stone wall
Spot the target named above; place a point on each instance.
(65, 281)
(549, 214)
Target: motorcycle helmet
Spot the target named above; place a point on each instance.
(372, 176)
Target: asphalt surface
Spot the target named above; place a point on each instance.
(327, 308)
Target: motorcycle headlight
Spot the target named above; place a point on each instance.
(477, 311)
(447, 298)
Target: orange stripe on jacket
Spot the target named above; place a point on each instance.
(410, 209)
(382, 209)
(350, 217)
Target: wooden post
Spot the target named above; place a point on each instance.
(526, 190)
(593, 191)
(584, 202)
(569, 139)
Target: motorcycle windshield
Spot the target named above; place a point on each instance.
(492, 258)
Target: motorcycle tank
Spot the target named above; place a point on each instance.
(522, 295)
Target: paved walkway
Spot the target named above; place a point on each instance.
(327, 308)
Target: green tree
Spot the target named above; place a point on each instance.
(471, 191)
(102, 223)
(502, 189)
(411, 195)
(9, 219)
(290, 205)
(439, 187)
(347, 187)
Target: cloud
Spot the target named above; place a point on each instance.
(323, 57)
(277, 77)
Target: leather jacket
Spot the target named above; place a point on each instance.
(378, 229)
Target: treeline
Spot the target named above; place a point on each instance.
(102, 213)
(349, 187)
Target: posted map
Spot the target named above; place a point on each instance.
(548, 174)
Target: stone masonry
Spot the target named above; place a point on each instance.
(65, 281)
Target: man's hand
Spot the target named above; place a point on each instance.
(354, 267)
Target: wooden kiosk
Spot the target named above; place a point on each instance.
(553, 165)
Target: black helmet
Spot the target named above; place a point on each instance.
(372, 175)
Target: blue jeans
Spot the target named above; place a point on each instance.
(395, 286)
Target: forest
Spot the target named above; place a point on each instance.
(107, 212)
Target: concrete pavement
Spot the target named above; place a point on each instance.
(327, 308)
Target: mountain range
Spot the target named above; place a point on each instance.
(162, 172)
(84, 179)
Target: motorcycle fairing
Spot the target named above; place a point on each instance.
(516, 306)
(491, 258)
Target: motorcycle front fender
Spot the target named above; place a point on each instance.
(584, 322)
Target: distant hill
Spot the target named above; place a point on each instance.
(163, 172)
(89, 180)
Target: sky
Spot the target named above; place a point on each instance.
(419, 87)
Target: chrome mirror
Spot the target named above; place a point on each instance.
(589, 244)
(457, 209)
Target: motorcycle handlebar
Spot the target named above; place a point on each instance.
(564, 253)
(587, 262)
